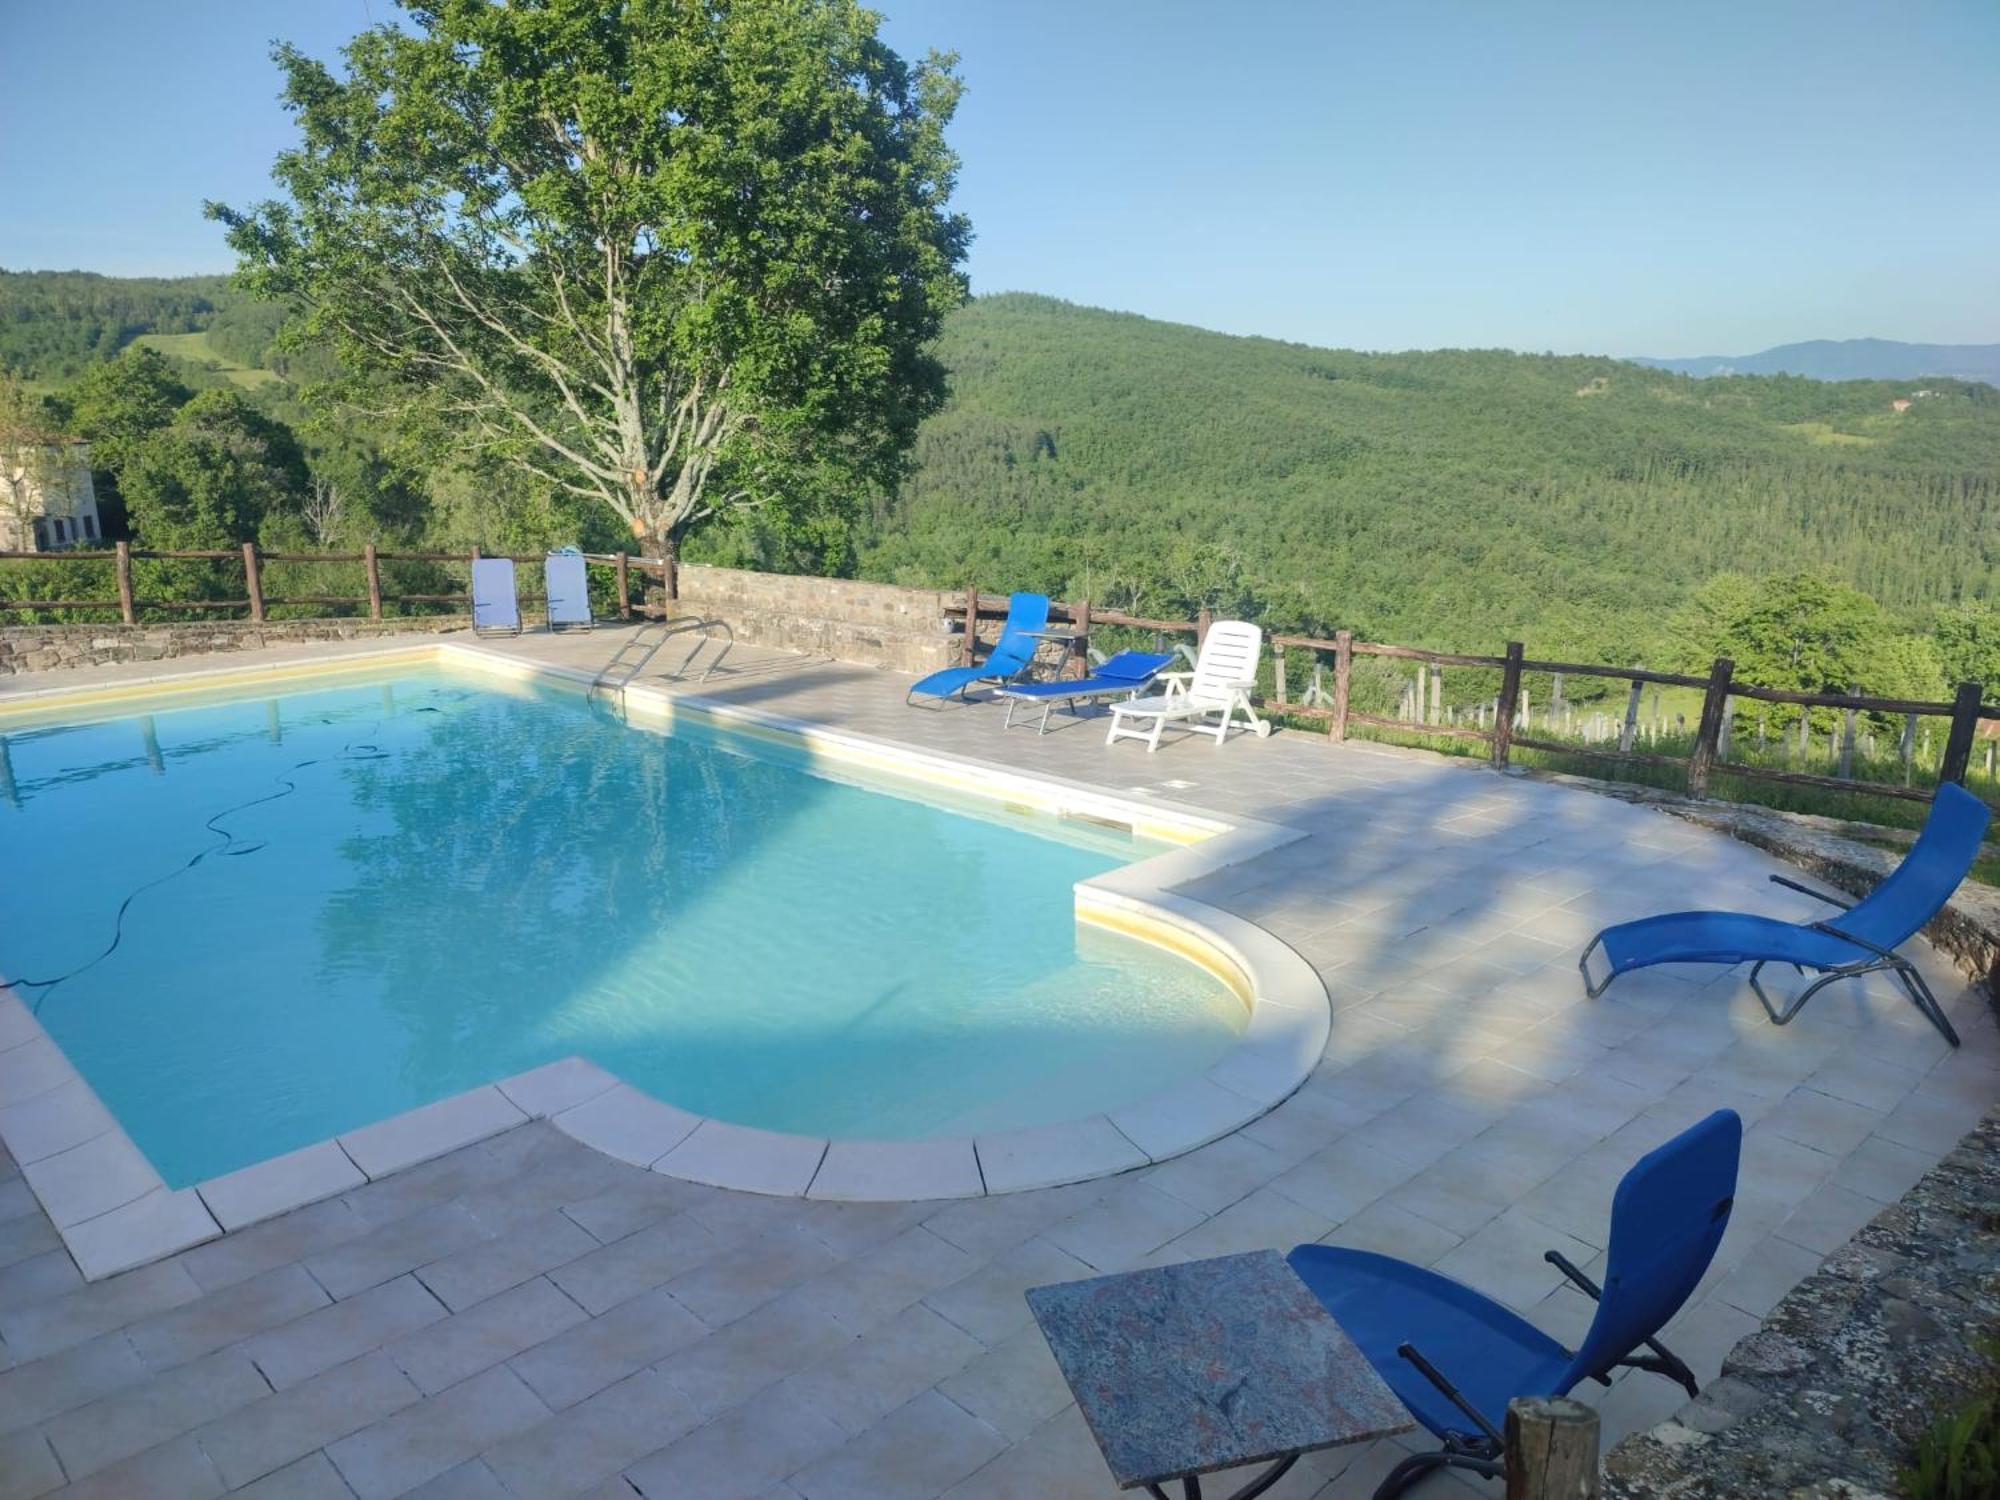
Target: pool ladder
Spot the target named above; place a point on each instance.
(639, 649)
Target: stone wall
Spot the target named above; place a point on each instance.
(1831, 1395)
(44, 648)
(875, 624)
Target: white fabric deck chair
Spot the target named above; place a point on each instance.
(496, 609)
(568, 591)
(1224, 673)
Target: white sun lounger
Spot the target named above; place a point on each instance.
(1224, 673)
(496, 610)
(568, 591)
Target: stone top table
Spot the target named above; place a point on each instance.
(1212, 1364)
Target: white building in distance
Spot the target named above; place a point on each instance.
(47, 502)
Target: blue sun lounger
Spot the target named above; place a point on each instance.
(1862, 940)
(1456, 1357)
(1011, 656)
(1124, 675)
(495, 608)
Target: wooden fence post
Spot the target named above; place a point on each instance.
(624, 586)
(1847, 737)
(1629, 730)
(125, 608)
(1343, 675)
(1701, 759)
(1964, 725)
(255, 583)
(1278, 675)
(1079, 659)
(971, 623)
(1202, 620)
(1510, 697)
(374, 566)
(1551, 1449)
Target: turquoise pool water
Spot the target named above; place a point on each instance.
(404, 887)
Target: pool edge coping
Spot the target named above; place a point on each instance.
(1290, 1020)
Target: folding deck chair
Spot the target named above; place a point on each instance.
(1862, 940)
(496, 609)
(1011, 656)
(568, 591)
(1456, 1357)
(1124, 675)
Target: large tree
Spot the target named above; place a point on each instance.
(1805, 634)
(681, 256)
(215, 475)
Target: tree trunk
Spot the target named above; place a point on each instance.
(667, 547)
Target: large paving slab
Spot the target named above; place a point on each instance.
(505, 1319)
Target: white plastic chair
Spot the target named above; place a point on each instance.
(1224, 674)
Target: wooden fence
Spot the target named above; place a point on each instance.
(127, 606)
(1504, 725)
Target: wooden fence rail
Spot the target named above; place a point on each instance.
(254, 560)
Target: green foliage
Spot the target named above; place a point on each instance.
(1959, 1458)
(1454, 499)
(116, 406)
(1804, 634)
(54, 325)
(1968, 641)
(678, 258)
(220, 472)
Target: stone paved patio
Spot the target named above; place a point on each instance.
(527, 1318)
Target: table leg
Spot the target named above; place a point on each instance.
(1191, 1483)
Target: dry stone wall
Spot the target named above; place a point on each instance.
(49, 648)
(875, 624)
(1828, 1399)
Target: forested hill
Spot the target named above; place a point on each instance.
(54, 325)
(1456, 498)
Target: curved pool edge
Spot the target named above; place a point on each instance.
(1289, 1022)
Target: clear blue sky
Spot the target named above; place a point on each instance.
(1681, 177)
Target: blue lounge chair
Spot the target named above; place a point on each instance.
(1862, 941)
(1124, 675)
(1456, 1357)
(1011, 656)
(496, 610)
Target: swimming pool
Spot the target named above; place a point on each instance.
(285, 916)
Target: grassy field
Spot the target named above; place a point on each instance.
(196, 350)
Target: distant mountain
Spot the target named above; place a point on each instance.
(1848, 359)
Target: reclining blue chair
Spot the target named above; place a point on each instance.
(1012, 654)
(1456, 1357)
(1124, 675)
(1862, 941)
